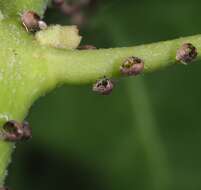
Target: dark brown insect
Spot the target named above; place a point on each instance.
(103, 86)
(132, 66)
(14, 131)
(186, 53)
(32, 21)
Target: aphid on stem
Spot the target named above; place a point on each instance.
(186, 53)
(103, 86)
(132, 66)
(14, 131)
(32, 21)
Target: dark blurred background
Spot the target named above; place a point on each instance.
(145, 136)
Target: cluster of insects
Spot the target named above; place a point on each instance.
(14, 131)
(131, 66)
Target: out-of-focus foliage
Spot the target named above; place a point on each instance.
(145, 136)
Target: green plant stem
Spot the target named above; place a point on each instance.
(28, 70)
(148, 135)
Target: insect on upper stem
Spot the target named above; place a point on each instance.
(32, 21)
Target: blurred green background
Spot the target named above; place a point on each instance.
(145, 136)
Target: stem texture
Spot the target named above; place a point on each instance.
(29, 70)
